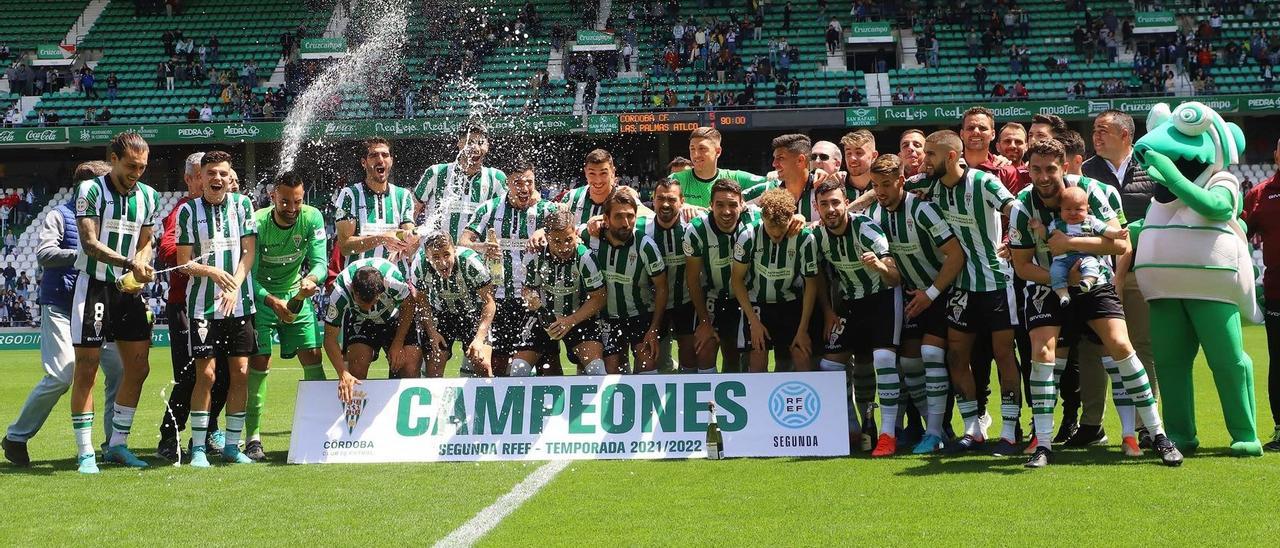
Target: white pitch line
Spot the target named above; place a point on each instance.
(487, 519)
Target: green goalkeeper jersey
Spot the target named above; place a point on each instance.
(283, 253)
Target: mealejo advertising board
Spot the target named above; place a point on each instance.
(563, 418)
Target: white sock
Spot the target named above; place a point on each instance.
(199, 428)
(121, 423)
(235, 425)
(520, 368)
(594, 367)
(1010, 414)
(887, 387)
(913, 378)
(1138, 386)
(969, 414)
(1120, 398)
(1043, 401)
(829, 365)
(936, 386)
(82, 425)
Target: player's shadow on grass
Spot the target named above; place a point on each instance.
(39, 467)
(981, 462)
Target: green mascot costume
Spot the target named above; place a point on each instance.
(1193, 262)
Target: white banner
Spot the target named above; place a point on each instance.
(561, 418)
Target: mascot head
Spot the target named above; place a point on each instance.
(1198, 141)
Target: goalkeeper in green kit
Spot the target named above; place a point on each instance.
(291, 236)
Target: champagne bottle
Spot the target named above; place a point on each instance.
(495, 265)
(295, 303)
(715, 442)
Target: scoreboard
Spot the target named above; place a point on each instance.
(659, 122)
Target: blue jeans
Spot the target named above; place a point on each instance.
(1060, 270)
(59, 363)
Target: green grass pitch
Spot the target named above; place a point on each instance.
(1093, 496)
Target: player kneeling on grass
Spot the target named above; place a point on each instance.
(564, 291)
(635, 278)
(290, 234)
(767, 264)
(853, 250)
(454, 303)
(381, 297)
(219, 228)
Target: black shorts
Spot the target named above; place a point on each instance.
(865, 324)
(455, 328)
(1044, 309)
(933, 321)
(726, 318)
(533, 336)
(680, 320)
(376, 335)
(977, 312)
(100, 312)
(509, 324)
(620, 335)
(228, 337)
(780, 320)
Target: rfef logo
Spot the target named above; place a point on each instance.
(794, 405)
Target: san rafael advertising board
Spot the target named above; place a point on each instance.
(567, 418)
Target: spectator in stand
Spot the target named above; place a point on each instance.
(999, 92)
(780, 93)
(169, 43)
(980, 78)
(113, 86)
(795, 89)
(104, 117)
(833, 36)
(786, 17)
(1020, 92)
(89, 117)
(910, 97)
(213, 49)
(193, 115)
(206, 113)
(87, 83)
(24, 285)
(845, 97)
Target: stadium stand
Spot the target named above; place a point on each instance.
(747, 61)
(25, 25)
(133, 48)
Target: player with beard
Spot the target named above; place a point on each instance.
(635, 277)
(373, 215)
(669, 233)
(708, 247)
(1046, 126)
(454, 303)
(853, 255)
(859, 152)
(456, 189)
(1098, 308)
(513, 218)
(1013, 143)
(565, 290)
(929, 258)
(982, 301)
(291, 234)
(115, 216)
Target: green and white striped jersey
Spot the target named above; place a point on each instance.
(1111, 194)
(916, 233)
(697, 191)
(842, 255)
(384, 310)
(441, 181)
(972, 208)
(581, 205)
(628, 270)
(120, 221)
(807, 205)
(777, 268)
(671, 244)
(1031, 206)
(215, 232)
(704, 240)
(513, 227)
(459, 293)
(564, 285)
(852, 192)
(374, 213)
